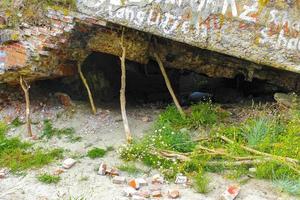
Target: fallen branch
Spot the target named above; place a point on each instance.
(83, 79)
(234, 163)
(290, 162)
(123, 91)
(222, 153)
(25, 87)
(168, 83)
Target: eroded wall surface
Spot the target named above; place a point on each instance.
(261, 31)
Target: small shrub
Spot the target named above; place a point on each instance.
(96, 153)
(201, 182)
(48, 178)
(130, 168)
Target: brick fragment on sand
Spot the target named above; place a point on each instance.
(137, 197)
(2, 173)
(231, 193)
(113, 172)
(157, 179)
(58, 171)
(142, 182)
(144, 193)
(119, 180)
(180, 179)
(173, 194)
(68, 163)
(156, 194)
(64, 99)
(134, 184)
(129, 192)
(102, 169)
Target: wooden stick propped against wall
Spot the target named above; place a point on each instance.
(83, 79)
(25, 87)
(123, 91)
(168, 83)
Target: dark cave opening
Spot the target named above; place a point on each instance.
(145, 84)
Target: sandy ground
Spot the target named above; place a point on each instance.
(102, 130)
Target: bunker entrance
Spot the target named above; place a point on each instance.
(145, 84)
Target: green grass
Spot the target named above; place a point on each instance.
(48, 178)
(18, 156)
(96, 153)
(271, 132)
(200, 183)
(49, 132)
(130, 168)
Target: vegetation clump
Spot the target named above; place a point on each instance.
(49, 132)
(130, 168)
(17, 155)
(96, 153)
(48, 178)
(208, 140)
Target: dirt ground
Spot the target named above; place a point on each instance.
(102, 130)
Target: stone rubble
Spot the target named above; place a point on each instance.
(68, 163)
(173, 193)
(102, 169)
(119, 180)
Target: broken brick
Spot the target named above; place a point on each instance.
(102, 169)
(119, 180)
(142, 182)
(129, 192)
(231, 193)
(157, 179)
(64, 99)
(68, 163)
(134, 184)
(156, 194)
(173, 194)
(180, 179)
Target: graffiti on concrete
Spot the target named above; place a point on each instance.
(199, 17)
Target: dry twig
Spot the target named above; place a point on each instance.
(290, 162)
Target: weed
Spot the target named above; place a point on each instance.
(16, 122)
(96, 153)
(48, 178)
(289, 186)
(84, 178)
(201, 182)
(49, 132)
(18, 155)
(272, 133)
(110, 148)
(130, 168)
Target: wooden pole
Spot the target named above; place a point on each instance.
(123, 91)
(168, 83)
(25, 87)
(94, 110)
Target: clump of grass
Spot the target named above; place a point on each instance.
(96, 153)
(17, 122)
(49, 132)
(130, 168)
(18, 155)
(48, 178)
(289, 186)
(271, 133)
(201, 182)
